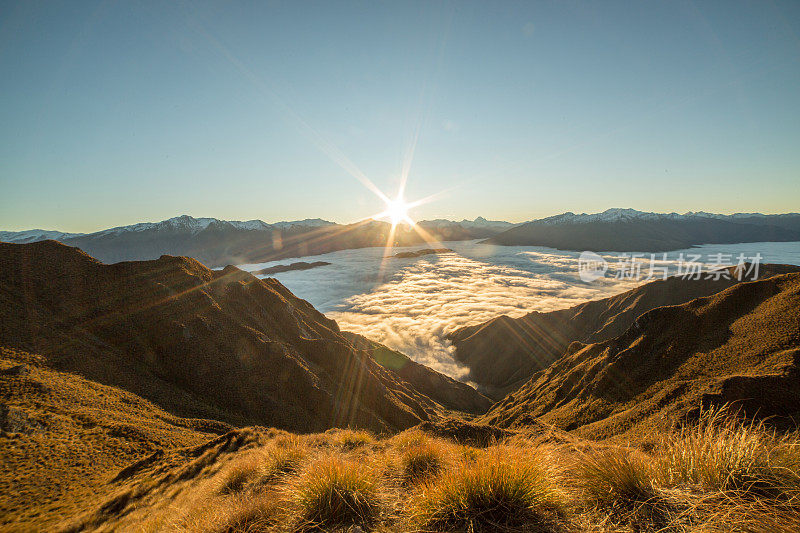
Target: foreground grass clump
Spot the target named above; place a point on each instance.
(281, 462)
(336, 493)
(722, 453)
(620, 483)
(243, 514)
(503, 491)
(616, 478)
(422, 461)
(716, 475)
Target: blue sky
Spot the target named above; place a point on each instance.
(119, 112)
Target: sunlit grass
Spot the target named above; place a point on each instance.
(726, 454)
(336, 493)
(505, 490)
(422, 461)
(716, 474)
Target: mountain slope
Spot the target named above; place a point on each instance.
(503, 353)
(630, 230)
(440, 388)
(741, 345)
(86, 432)
(199, 343)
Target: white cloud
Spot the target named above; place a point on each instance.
(410, 304)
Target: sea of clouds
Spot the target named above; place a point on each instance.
(410, 304)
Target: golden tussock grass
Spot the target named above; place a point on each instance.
(505, 490)
(335, 492)
(717, 474)
(723, 453)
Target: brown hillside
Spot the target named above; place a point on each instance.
(741, 346)
(199, 343)
(63, 439)
(503, 353)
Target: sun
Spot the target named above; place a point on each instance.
(396, 211)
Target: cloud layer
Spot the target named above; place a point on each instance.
(411, 304)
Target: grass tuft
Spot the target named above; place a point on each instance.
(281, 462)
(238, 476)
(336, 493)
(241, 515)
(615, 478)
(502, 491)
(421, 462)
(350, 439)
(723, 453)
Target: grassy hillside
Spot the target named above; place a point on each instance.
(719, 475)
(64, 438)
(505, 352)
(740, 346)
(200, 343)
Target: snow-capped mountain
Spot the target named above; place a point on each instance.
(631, 230)
(481, 222)
(609, 215)
(34, 235)
(196, 225)
(183, 223)
(622, 214)
(218, 242)
(307, 222)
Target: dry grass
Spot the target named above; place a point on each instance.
(716, 475)
(239, 475)
(336, 493)
(350, 439)
(506, 490)
(723, 453)
(616, 478)
(281, 462)
(422, 461)
(243, 514)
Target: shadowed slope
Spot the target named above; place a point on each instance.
(440, 388)
(503, 353)
(741, 345)
(200, 343)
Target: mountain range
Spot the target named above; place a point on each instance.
(628, 230)
(505, 352)
(217, 243)
(740, 347)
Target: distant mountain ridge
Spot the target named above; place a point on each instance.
(624, 215)
(628, 230)
(217, 243)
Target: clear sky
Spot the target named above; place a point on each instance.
(113, 113)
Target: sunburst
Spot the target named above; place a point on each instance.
(396, 211)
